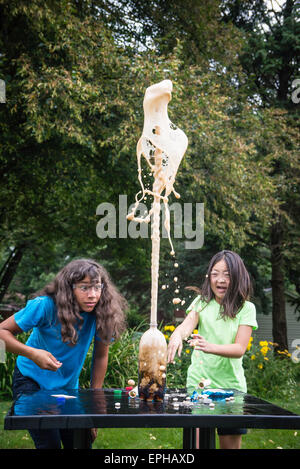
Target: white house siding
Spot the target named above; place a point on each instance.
(264, 331)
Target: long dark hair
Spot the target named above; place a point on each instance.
(109, 311)
(239, 289)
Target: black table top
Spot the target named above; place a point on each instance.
(97, 408)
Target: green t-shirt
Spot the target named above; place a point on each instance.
(222, 371)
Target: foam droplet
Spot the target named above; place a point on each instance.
(176, 301)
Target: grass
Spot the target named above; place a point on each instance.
(162, 438)
(276, 439)
(107, 438)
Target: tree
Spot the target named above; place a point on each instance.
(263, 38)
(74, 114)
(58, 126)
(271, 59)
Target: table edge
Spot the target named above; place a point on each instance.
(16, 422)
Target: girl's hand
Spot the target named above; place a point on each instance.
(45, 360)
(200, 343)
(175, 345)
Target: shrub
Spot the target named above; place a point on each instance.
(177, 371)
(122, 361)
(268, 373)
(7, 369)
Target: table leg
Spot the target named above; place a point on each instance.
(207, 438)
(82, 438)
(189, 438)
(199, 438)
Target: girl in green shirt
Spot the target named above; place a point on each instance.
(224, 317)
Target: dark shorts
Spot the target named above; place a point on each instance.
(231, 431)
(22, 384)
(43, 439)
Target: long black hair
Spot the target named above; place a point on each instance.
(239, 289)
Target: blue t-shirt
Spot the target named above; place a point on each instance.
(40, 314)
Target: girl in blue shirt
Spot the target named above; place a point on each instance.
(80, 305)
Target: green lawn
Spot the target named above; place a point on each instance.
(162, 438)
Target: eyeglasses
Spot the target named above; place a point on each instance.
(86, 288)
(220, 275)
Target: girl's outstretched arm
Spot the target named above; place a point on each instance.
(183, 331)
(235, 350)
(44, 359)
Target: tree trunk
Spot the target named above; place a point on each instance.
(277, 230)
(279, 327)
(9, 269)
